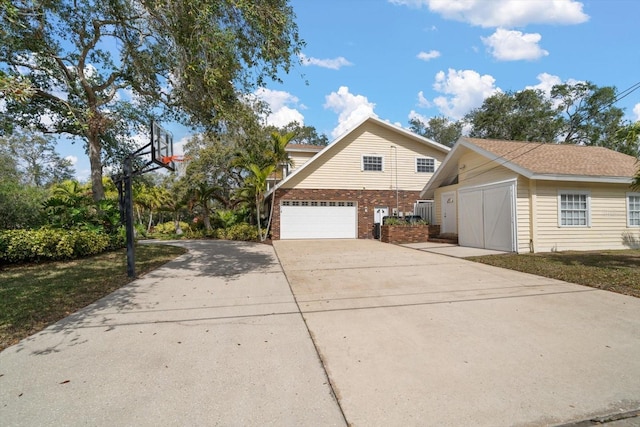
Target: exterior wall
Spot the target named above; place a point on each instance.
(366, 201)
(608, 228)
(408, 233)
(299, 158)
(475, 169)
(340, 167)
(523, 215)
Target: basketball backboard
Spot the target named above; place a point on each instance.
(162, 147)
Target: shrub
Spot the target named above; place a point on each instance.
(244, 232)
(169, 227)
(52, 244)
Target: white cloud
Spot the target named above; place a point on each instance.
(72, 159)
(414, 115)
(504, 13)
(547, 82)
(467, 89)
(333, 64)
(508, 45)
(422, 101)
(636, 111)
(280, 103)
(427, 56)
(349, 107)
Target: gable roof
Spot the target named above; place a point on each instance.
(334, 143)
(544, 161)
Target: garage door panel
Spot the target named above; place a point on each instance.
(498, 214)
(486, 217)
(318, 222)
(471, 232)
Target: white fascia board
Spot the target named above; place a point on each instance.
(446, 166)
(584, 178)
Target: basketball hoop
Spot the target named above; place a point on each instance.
(162, 147)
(175, 158)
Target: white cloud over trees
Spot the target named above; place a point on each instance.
(509, 45)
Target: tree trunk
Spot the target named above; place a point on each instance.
(258, 218)
(96, 167)
(206, 216)
(266, 231)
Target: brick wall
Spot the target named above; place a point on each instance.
(408, 233)
(366, 201)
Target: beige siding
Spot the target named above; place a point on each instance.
(523, 215)
(437, 199)
(299, 158)
(340, 167)
(608, 218)
(475, 169)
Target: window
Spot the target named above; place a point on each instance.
(372, 163)
(573, 209)
(633, 209)
(425, 164)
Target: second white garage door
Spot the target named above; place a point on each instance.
(318, 220)
(486, 217)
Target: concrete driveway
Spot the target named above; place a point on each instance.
(212, 338)
(415, 338)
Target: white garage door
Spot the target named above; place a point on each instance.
(318, 220)
(486, 217)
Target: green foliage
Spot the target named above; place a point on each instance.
(243, 232)
(46, 244)
(169, 227)
(20, 206)
(516, 116)
(226, 217)
(439, 129)
(69, 59)
(36, 158)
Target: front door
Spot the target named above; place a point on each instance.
(449, 213)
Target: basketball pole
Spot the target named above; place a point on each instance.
(128, 208)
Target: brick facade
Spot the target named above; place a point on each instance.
(408, 233)
(366, 201)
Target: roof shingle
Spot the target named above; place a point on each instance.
(561, 159)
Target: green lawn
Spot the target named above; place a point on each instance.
(616, 271)
(34, 296)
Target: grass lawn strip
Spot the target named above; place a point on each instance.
(616, 271)
(34, 296)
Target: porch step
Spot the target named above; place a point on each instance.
(451, 239)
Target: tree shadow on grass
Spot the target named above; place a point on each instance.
(611, 260)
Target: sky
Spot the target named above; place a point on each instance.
(399, 59)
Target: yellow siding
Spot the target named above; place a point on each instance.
(523, 215)
(608, 218)
(298, 159)
(475, 169)
(340, 166)
(437, 196)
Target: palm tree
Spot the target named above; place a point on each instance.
(256, 183)
(280, 158)
(201, 195)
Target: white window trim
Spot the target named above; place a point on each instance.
(371, 155)
(576, 192)
(627, 198)
(428, 158)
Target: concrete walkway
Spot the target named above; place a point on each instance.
(212, 338)
(414, 338)
(451, 249)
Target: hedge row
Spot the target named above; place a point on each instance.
(54, 244)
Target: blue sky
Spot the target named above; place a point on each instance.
(403, 58)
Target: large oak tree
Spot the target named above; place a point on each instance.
(95, 69)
